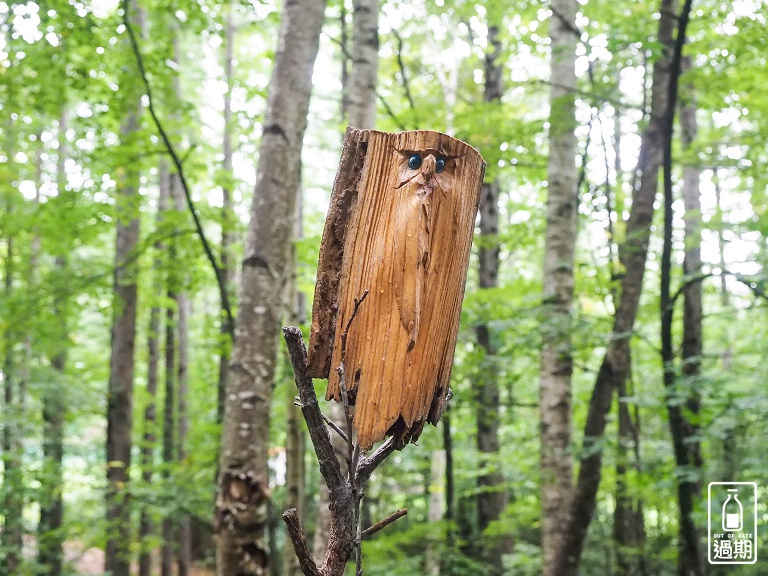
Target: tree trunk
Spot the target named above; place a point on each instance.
(449, 484)
(690, 560)
(492, 494)
(294, 483)
(557, 296)
(51, 540)
(692, 345)
(615, 366)
(184, 307)
(323, 523)
(146, 525)
(227, 213)
(435, 511)
(241, 505)
(365, 64)
(121, 366)
(13, 503)
(169, 402)
(295, 474)
(628, 527)
(11, 531)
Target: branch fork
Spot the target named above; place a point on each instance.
(345, 493)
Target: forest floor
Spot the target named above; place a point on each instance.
(90, 561)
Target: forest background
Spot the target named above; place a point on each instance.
(611, 355)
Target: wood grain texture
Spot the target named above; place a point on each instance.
(406, 240)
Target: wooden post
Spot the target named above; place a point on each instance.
(398, 233)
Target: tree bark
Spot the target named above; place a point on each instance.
(13, 503)
(450, 514)
(51, 540)
(692, 345)
(492, 496)
(323, 523)
(184, 307)
(294, 448)
(633, 253)
(557, 296)
(628, 520)
(629, 526)
(169, 401)
(690, 560)
(241, 505)
(146, 525)
(227, 214)
(295, 474)
(435, 511)
(365, 64)
(121, 366)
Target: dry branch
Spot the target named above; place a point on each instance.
(368, 532)
(344, 493)
(299, 540)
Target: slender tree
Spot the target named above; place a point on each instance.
(146, 525)
(227, 212)
(294, 432)
(12, 500)
(559, 246)
(121, 365)
(690, 560)
(169, 401)
(182, 377)
(13, 504)
(365, 64)
(633, 252)
(51, 537)
(492, 494)
(244, 477)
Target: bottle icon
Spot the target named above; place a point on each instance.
(733, 513)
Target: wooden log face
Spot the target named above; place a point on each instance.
(407, 242)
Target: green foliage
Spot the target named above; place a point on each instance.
(67, 84)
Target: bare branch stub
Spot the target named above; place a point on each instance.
(368, 532)
(368, 464)
(299, 540)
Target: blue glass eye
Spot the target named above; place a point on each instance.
(440, 165)
(414, 162)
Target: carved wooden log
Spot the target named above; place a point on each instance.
(399, 226)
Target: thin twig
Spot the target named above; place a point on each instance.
(358, 541)
(401, 65)
(387, 108)
(335, 428)
(391, 113)
(343, 382)
(353, 448)
(331, 423)
(218, 271)
(358, 301)
(370, 531)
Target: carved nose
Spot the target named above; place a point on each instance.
(428, 166)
